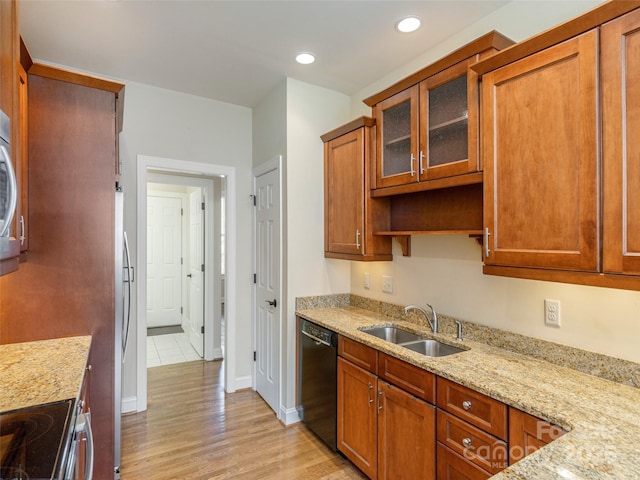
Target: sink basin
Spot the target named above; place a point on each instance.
(432, 348)
(413, 341)
(392, 334)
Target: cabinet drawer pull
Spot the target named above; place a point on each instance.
(466, 405)
(466, 442)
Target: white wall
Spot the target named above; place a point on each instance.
(447, 271)
(177, 126)
(311, 111)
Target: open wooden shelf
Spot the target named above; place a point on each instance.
(404, 237)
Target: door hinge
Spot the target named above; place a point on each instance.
(202, 204)
(254, 356)
(202, 329)
(202, 267)
(182, 212)
(253, 197)
(255, 278)
(181, 310)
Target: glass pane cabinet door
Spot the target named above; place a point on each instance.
(397, 139)
(448, 123)
(397, 119)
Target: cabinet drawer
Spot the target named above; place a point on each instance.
(473, 444)
(452, 466)
(358, 353)
(410, 378)
(478, 409)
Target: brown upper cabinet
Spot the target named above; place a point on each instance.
(620, 47)
(558, 205)
(540, 158)
(351, 215)
(428, 123)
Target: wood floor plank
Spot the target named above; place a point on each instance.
(193, 430)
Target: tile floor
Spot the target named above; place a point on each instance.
(168, 349)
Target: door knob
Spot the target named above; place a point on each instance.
(273, 302)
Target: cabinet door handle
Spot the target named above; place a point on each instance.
(22, 236)
(421, 162)
(358, 239)
(379, 401)
(369, 395)
(486, 242)
(413, 159)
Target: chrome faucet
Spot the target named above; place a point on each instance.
(432, 323)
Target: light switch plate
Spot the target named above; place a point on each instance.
(366, 281)
(387, 284)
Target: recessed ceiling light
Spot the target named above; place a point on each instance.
(305, 58)
(408, 24)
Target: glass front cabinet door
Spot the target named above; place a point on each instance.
(449, 123)
(398, 140)
(429, 130)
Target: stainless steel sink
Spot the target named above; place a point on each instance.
(432, 348)
(393, 334)
(413, 341)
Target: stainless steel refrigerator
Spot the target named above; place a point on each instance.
(123, 281)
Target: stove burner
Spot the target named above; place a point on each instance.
(31, 441)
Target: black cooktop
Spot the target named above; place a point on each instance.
(33, 441)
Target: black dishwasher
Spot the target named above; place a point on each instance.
(317, 380)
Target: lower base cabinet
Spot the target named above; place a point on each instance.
(406, 440)
(385, 431)
(397, 421)
(357, 417)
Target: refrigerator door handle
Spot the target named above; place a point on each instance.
(129, 280)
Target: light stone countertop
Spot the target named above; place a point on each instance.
(603, 416)
(45, 371)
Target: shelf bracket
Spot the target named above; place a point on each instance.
(478, 238)
(405, 244)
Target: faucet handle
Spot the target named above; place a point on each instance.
(459, 325)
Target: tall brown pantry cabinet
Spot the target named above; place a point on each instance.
(66, 286)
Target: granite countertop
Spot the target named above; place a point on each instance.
(602, 417)
(35, 373)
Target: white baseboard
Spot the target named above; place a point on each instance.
(243, 382)
(217, 353)
(129, 404)
(289, 416)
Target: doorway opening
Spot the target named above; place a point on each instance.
(185, 231)
(193, 305)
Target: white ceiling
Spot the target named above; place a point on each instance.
(237, 51)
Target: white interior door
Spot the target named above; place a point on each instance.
(195, 322)
(164, 253)
(268, 286)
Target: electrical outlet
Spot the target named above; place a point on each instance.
(387, 284)
(552, 313)
(366, 281)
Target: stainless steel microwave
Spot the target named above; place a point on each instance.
(9, 246)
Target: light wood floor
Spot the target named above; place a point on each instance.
(193, 430)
